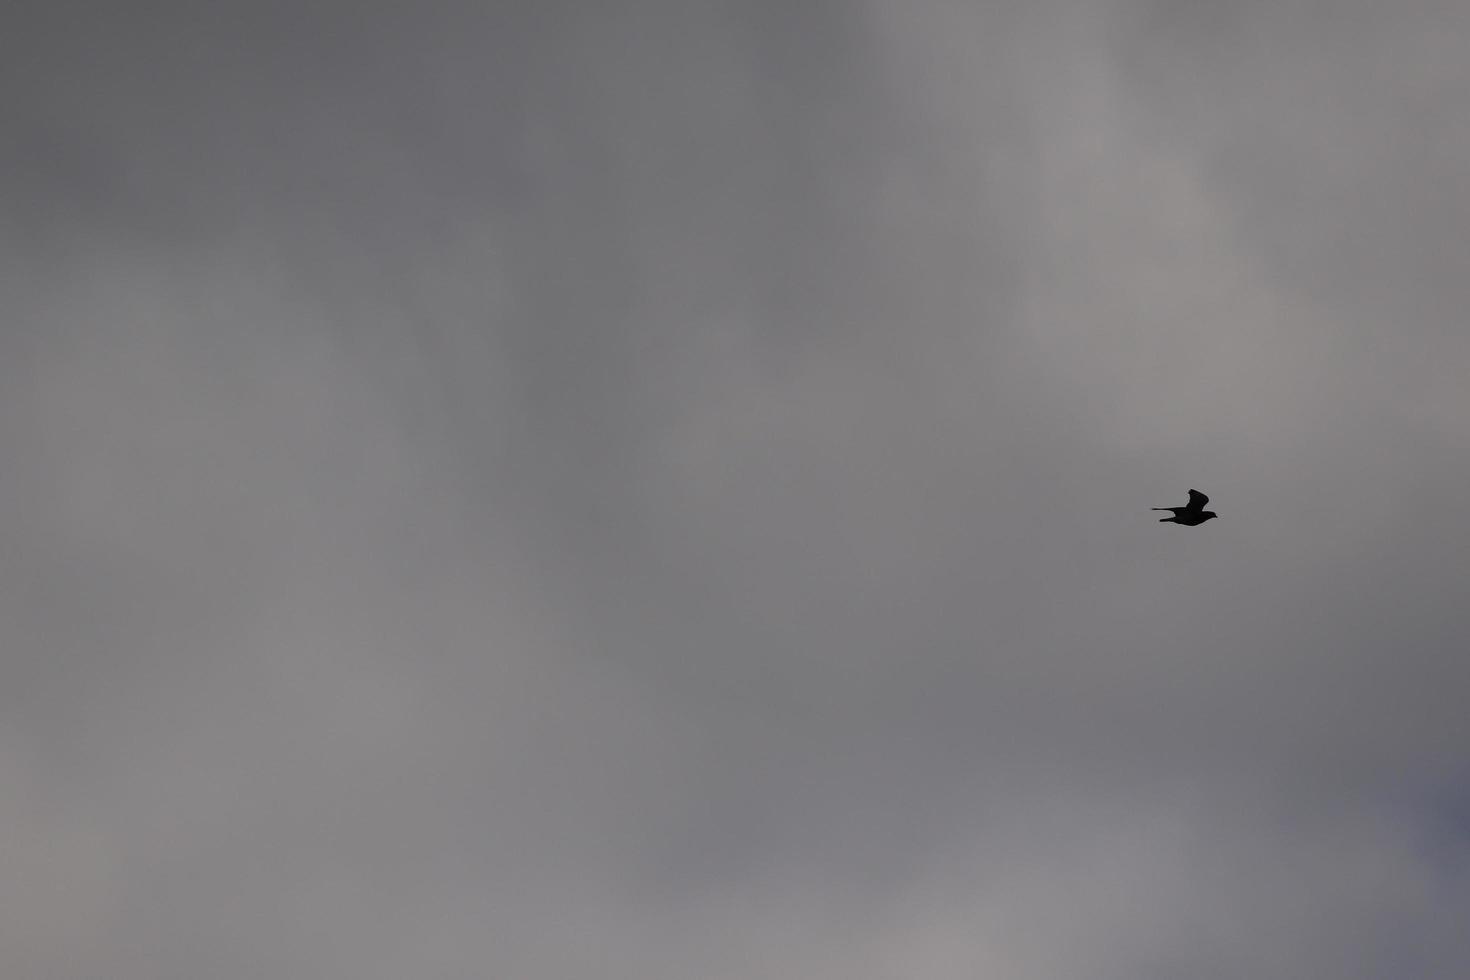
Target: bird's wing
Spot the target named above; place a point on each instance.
(1197, 500)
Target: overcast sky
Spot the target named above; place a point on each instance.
(658, 490)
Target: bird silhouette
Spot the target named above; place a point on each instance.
(1194, 514)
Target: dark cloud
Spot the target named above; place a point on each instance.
(661, 490)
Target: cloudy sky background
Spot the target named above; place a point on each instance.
(659, 490)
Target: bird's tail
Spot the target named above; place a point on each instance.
(1161, 508)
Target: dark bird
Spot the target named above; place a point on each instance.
(1194, 514)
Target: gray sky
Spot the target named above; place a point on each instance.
(660, 490)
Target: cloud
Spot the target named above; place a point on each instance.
(662, 492)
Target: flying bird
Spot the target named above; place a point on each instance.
(1194, 514)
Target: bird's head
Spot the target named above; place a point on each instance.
(1209, 514)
